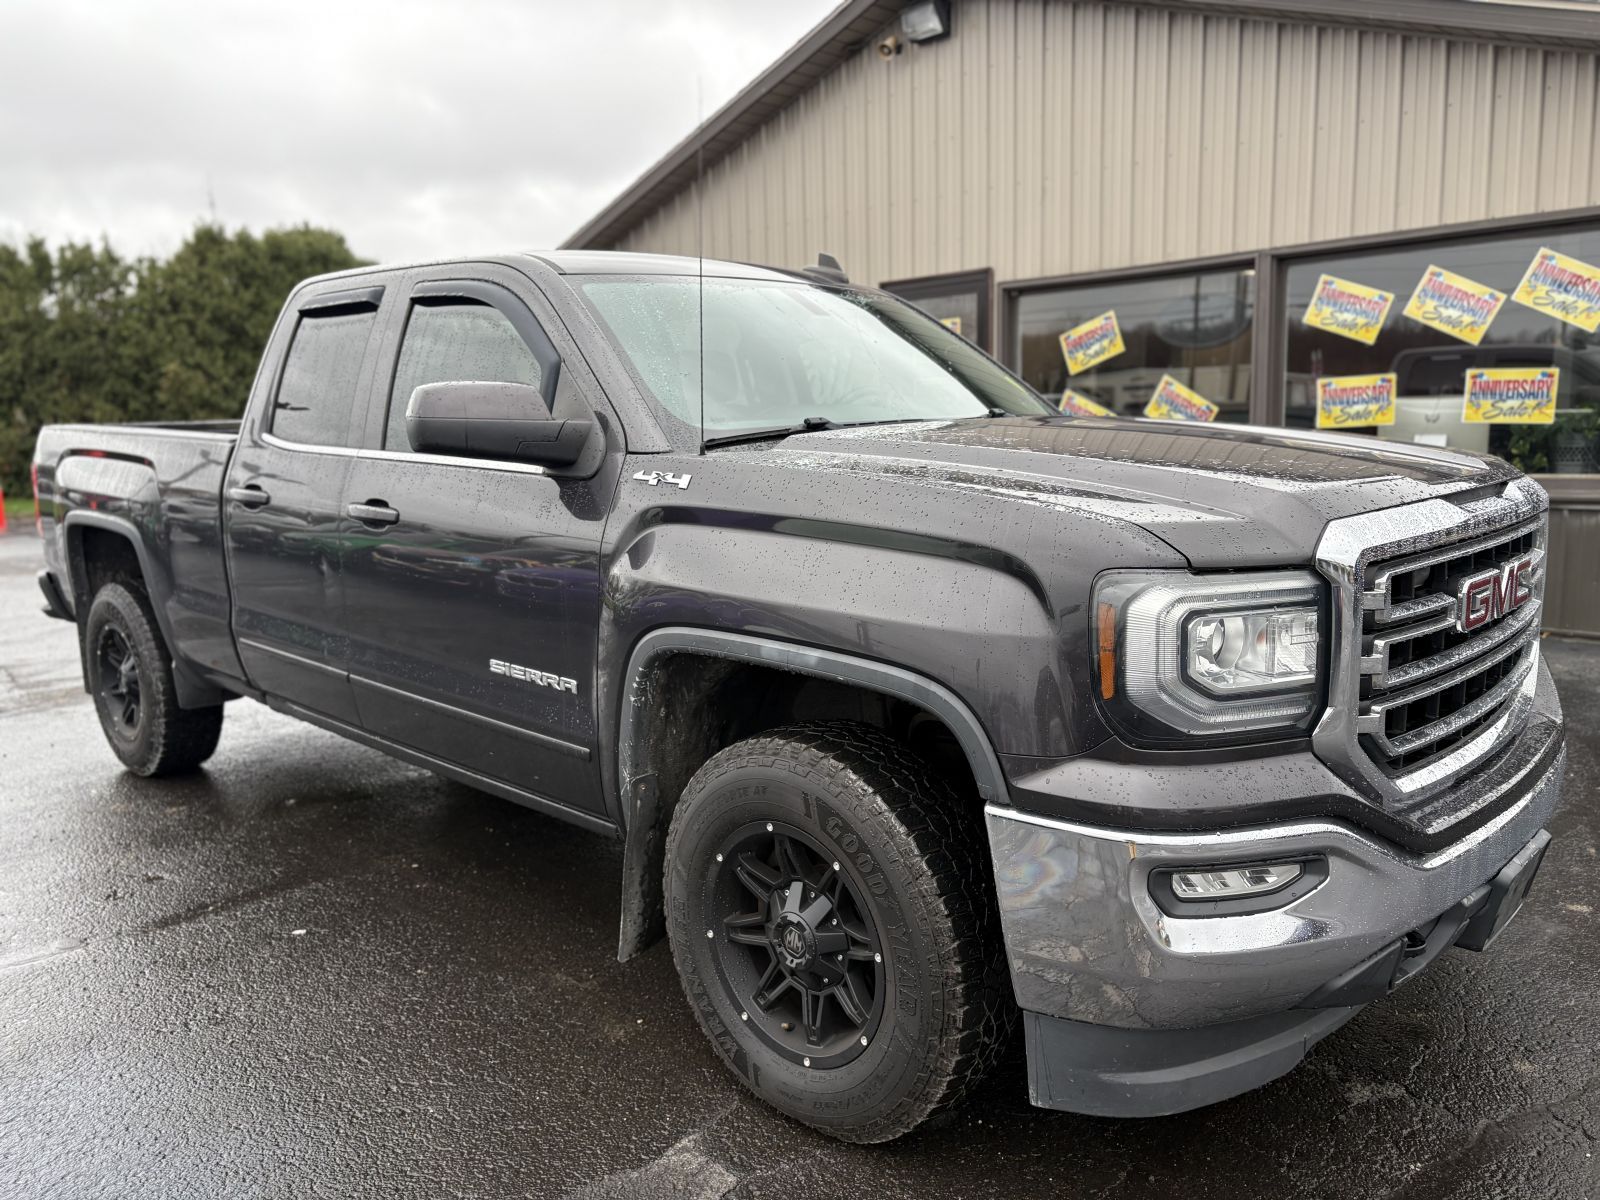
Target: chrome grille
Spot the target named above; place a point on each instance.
(1426, 686)
(1415, 702)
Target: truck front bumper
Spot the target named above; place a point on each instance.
(1133, 1012)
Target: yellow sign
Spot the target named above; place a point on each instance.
(1565, 288)
(953, 324)
(1353, 401)
(1351, 310)
(1454, 304)
(1511, 396)
(1078, 405)
(1092, 342)
(1172, 401)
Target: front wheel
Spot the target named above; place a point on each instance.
(130, 677)
(830, 917)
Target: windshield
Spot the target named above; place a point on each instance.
(777, 353)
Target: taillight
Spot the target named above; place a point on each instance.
(38, 512)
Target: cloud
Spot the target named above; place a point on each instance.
(419, 129)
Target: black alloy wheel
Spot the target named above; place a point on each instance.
(829, 905)
(120, 687)
(130, 676)
(795, 944)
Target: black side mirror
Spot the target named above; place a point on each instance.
(492, 420)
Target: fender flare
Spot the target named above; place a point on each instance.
(640, 807)
(192, 690)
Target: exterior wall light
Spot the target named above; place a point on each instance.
(927, 21)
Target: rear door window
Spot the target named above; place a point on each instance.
(317, 390)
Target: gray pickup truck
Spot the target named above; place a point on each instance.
(919, 708)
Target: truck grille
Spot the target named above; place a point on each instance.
(1427, 686)
(1436, 614)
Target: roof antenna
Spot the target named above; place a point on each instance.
(827, 268)
(700, 239)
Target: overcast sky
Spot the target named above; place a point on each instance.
(415, 127)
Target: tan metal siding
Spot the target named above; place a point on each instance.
(1027, 137)
(1571, 592)
(1053, 137)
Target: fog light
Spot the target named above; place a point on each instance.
(1235, 881)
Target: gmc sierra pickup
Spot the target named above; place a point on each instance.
(917, 706)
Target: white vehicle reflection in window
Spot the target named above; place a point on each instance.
(1429, 385)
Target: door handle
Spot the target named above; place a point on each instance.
(251, 495)
(375, 512)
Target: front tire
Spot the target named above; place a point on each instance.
(831, 919)
(130, 678)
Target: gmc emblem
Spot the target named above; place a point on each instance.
(1490, 595)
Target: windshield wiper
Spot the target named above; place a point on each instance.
(809, 425)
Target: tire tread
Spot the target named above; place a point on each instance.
(180, 739)
(948, 838)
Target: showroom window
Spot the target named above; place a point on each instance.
(1113, 342)
(1484, 343)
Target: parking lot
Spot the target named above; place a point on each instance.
(313, 971)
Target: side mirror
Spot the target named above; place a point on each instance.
(492, 420)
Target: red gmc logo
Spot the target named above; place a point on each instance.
(1490, 595)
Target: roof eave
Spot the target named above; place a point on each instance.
(1566, 28)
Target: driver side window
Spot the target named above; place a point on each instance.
(452, 341)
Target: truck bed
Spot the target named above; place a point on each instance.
(224, 430)
(158, 485)
(219, 426)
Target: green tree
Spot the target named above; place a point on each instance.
(88, 336)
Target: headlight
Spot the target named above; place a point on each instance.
(1183, 656)
(1263, 650)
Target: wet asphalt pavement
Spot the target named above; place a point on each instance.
(313, 971)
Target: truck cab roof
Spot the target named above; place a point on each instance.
(622, 262)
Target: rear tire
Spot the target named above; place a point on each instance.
(130, 677)
(830, 915)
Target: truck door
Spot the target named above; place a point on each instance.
(472, 585)
(282, 500)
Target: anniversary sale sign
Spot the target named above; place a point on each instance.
(1351, 310)
(1171, 401)
(1078, 405)
(1355, 401)
(1566, 288)
(1092, 342)
(1511, 396)
(1454, 304)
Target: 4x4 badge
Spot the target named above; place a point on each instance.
(655, 477)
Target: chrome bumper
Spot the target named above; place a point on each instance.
(1087, 943)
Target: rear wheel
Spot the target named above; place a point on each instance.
(130, 677)
(831, 920)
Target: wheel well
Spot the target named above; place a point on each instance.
(97, 557)
(701, 704)
(694, 705)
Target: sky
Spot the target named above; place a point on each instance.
(417, 128)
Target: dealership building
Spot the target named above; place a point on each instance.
(1289, 209)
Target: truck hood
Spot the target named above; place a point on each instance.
(1221, 495)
